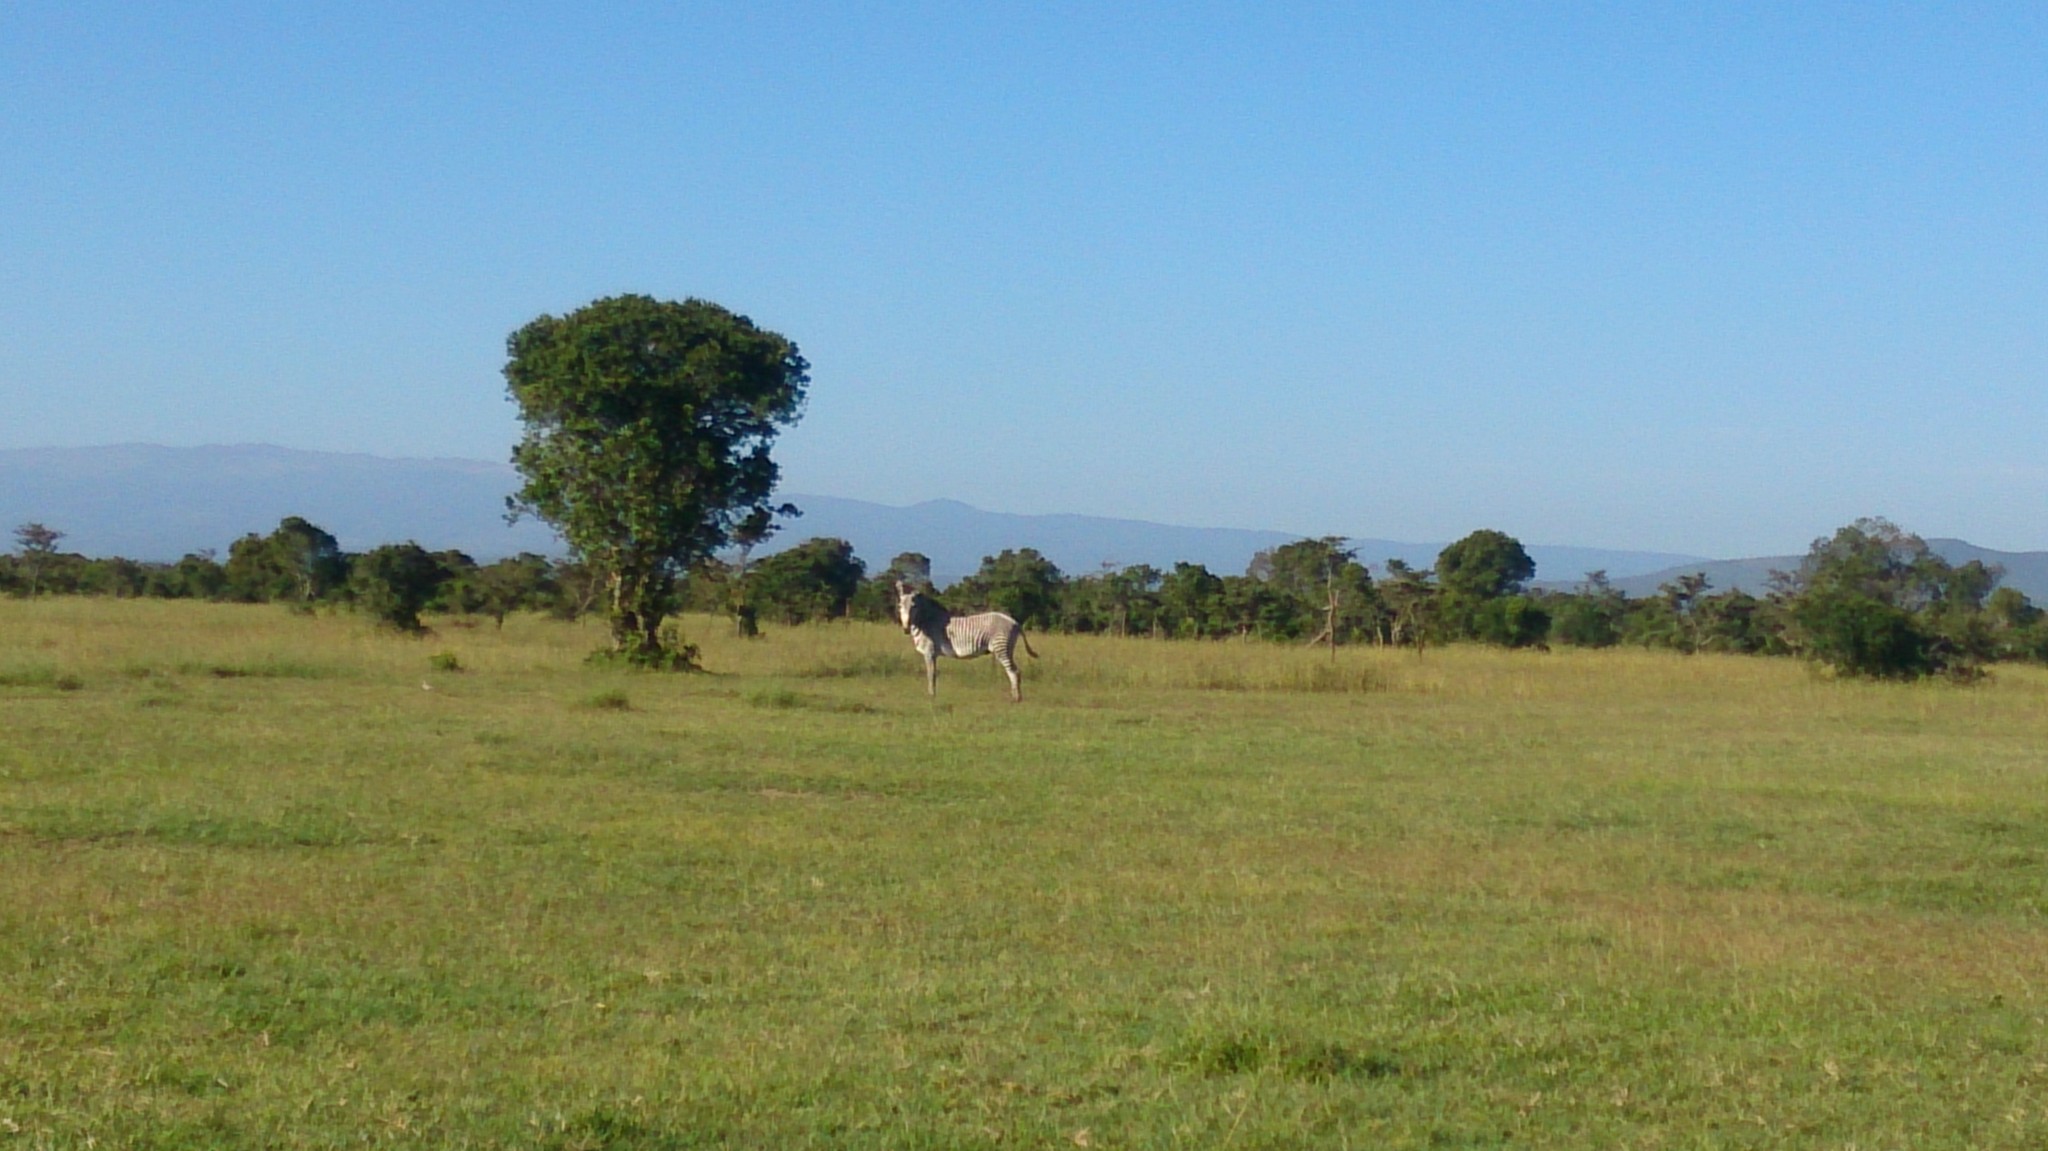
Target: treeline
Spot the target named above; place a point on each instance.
(1870, 600)
(301, 565)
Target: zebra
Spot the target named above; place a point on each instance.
(936, 632)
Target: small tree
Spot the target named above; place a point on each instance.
(753, 530)
(814, 580)
(1682, 598)
(648, 426)
(298, 562)
(913, 568)
(396, 582)
(1591, 615)
(1191, 602)
(1412, 601)
(1323, 576)
(525, 581)
(1020, 583)
(37, 545)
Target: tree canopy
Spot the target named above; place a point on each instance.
(1874, 600)
(299, 561)
(1484, 565)
(648, 427)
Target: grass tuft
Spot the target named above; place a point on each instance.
(1254, 1053)
(610, 699)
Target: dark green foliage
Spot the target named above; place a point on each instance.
(197, 576)
(457, 593)
(1873, 600)
(1863, 636)
(648, 425)
(298, 562)
(875, 599)
(1930, 616)
(1484, 566)
(1510, 621)
(1590, 616)
(396, 582)
(1022, 584)
(525, 582)
(1681, 598)
(815, 580)
(1252, 607)
(1114, 601)
(1308, 574)
(1191, 602)
(2017, 628)
(1414, 605)
(1738, 622)
(114, 576)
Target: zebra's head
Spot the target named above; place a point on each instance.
(906, 605)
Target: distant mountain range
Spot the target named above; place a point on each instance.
(2027, 571)
(957, 536)
(157, 503)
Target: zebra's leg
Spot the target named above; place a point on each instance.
(931, 674)
(1010, 669)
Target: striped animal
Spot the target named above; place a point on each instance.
(936, 632)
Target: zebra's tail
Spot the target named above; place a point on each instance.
(1026, 642)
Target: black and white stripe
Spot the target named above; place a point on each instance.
(936, 632)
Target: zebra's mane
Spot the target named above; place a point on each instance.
(927, 614)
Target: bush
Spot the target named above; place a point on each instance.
(1511, 621)
(395, 583)
(1583, 622)
(1860, 636)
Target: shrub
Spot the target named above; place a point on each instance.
(1510, 621)
(1860, 636)
(395, 582)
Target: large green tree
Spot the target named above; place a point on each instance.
(1021, 583)
(299, 562)
(1874, 600)
(1473, 572)
(648, 425)
(1484, 565)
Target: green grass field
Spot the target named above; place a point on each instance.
(276, 881)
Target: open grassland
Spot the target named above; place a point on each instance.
(278, 881)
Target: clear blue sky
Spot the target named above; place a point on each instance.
(1707, 278)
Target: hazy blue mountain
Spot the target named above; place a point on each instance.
(957, 536)
(158, 503)
(2027, 571)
